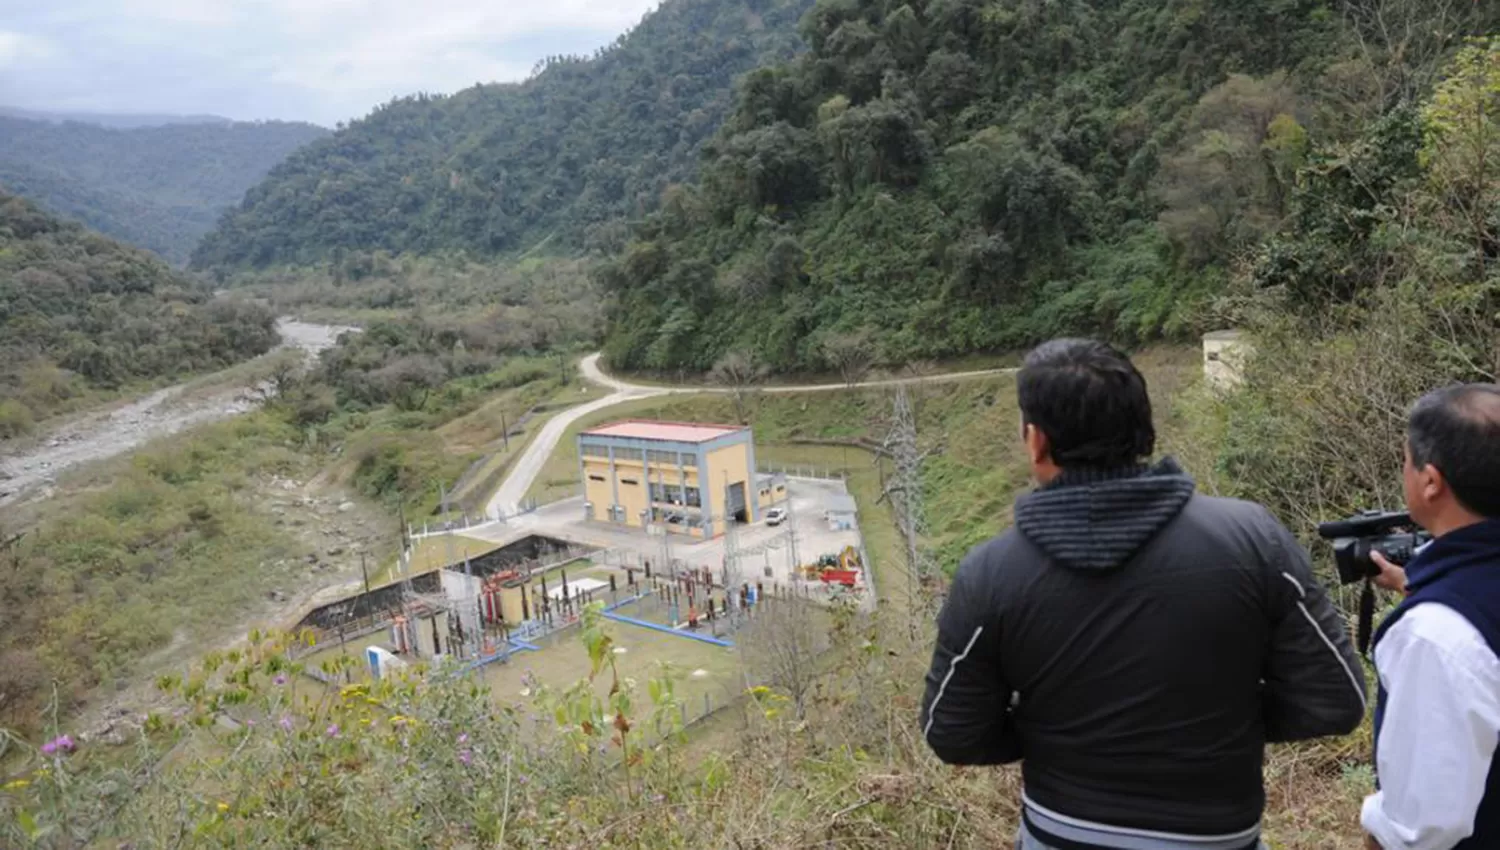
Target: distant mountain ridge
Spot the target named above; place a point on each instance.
(159, 187)
(558, 160)
(112, 120)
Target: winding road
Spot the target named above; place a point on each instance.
(512, 491)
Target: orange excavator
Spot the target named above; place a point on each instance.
(843, 568)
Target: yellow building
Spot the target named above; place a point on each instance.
(687, 478)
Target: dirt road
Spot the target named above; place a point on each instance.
(107, 433)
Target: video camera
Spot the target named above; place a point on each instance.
(1391, 534)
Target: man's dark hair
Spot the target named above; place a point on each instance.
(1457, 430)
(1089, 400)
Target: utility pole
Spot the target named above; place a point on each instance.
(364, 572)
(504, 431)
(904, 490)
(791, 533)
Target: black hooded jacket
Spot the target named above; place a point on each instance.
(1135, 645)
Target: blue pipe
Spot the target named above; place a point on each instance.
(660, 628)
(623, 602)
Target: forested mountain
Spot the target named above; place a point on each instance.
(159, 187)
(80, 312)
(116, 120)
(559, 158)
(937, 177)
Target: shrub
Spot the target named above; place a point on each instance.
(15, 419)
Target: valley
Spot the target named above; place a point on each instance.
(580, 458)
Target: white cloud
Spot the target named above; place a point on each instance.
(321, 60)
(17, 48)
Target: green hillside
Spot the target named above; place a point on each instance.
(81, 313)
(160, 188)
(938, 177)
(557, 159)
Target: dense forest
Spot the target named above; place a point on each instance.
(81, 313)
(555, 160)
(936, 177)
(159, 187)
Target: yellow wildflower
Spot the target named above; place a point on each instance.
(223, 807)
(15, 784)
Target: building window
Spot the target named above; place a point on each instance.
(593, 450)
(628, 455)
(673, 495)
(669, 458)
(596, 477)
(629, 482)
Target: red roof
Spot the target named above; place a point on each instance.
(676, 432)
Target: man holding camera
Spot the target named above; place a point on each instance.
(1437, 717)
(1134, 642)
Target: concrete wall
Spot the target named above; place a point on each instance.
(515, 604)
(598, 487)
(425, 646)
(462, 592)
(726, 467)
(770, 491)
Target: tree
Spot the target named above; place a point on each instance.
(738, 372)
(781, 647)
(1461, 150)
(1227, 184)
(408, 381)
(851, 354)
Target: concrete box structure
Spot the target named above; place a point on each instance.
(688, 479)
(1224, 354)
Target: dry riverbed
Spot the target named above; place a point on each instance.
(29, 469)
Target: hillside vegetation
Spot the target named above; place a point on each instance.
(938, 177)
(82, 314)
(555, 160)
(157, 187)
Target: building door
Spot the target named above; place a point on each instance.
(736, 504)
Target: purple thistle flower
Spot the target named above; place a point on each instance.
(464, 738)
(466, 757)
(333, 730)
(60, 744)
(280, 679)
(286, 722)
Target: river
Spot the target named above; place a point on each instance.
(97, 435)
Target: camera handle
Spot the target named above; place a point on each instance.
(1364, 625)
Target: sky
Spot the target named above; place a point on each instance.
(311, 60)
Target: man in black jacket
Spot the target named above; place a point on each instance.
(1133, 643)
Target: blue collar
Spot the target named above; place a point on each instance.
(1470, 545)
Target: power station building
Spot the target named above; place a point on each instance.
(689, 479)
